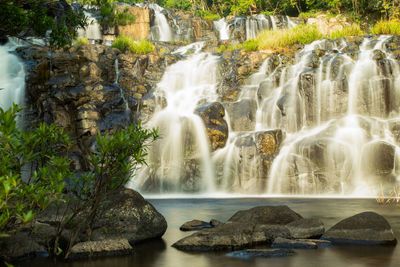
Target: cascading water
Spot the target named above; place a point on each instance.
(93, 31)
(184, 142)
(222, 27)
(161, 30)
(324, 122)
(12, 77)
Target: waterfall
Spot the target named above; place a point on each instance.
(184, 142)
(93, 31)
(12, 77)
(222, 27)
(127, 109)
(325, 122)
(161, 30)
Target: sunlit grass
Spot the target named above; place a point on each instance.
(82, 41)
(387, 27)
(125, 43)
(352, 30)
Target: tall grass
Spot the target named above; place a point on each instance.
(82, 41)
(125, 43)
(352, 30)
(302, 34)
(387, 27)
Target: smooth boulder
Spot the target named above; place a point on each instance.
(195, 225)
(306, 228)
(366, 228)
(90, 249)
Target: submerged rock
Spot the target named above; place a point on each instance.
(20, 246)
(295, 244)
(194, 225)
(263, 253)
(366, 228)
(91, 249)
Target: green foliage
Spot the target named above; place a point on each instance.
(82, 41)
(353, 30)
(387, 27)
(22, 18)
(302, 34)
(178, 4)
(125, 43)
(251, 45)
(141, 47)
(207, 15)
(40, 149)
(125, 18)
(220, 49)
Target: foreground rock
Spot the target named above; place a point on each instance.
(263, 253)
(127, 219)
(367, 228)
(91, 249)
(259, 225)
(289, 243)
(306, 228)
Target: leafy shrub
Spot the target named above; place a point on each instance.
(122, 43)
(125, 18)
(207, 15)
(387, 27)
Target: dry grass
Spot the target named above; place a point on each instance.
(353, 30)
(392, 198)
(387, 27)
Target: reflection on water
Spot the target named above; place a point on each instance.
(159, 253)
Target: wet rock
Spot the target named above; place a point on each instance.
(261, 253)
(366, 228)
(129, 216)
(306, 228)
(259, 225)
(215, 223)
(93, 249)
(195, 225)
(216, 126)
(293, 244)
(20, 246)
(378, 158)
(242, 114)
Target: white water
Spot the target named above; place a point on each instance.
(184, 141)
(12, 77)
(93, 31)
(161, 31)
(222, 27)
(338, 113)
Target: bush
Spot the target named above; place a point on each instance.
(141, 47)
(125, 18)
(122, 43)
(353, 30)
(387, 27)
(251, 45)
(82, 41)
(301, 34)
(207, 15)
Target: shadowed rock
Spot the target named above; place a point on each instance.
(296, 244)
(195, 225)
(306, 228)
(367, 228)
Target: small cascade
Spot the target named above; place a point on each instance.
(184, 142)
(12, 77)
(222, 27)
(161, 30)
(127, 109)
(93, 31)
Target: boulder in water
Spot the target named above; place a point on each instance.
(194, 225)
(306, 228)
(89, 249)
(261, 253)
(295, 244)
(366, 228)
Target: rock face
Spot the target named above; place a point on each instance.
(306, 228)
(216, 126)
(259, 225)
(195, 225)
(140, 29)
(294, 244)
(367, 228)
(20, 246)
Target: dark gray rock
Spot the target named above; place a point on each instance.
(128, 215)
(259, 225)
(378, 158)
(294, 244)
(280, 215)
(261, 253)
(306, 228)
(367, 228)
(20, 246)
(215, 223)
(92, 249)
(194, 225)
(242, 114)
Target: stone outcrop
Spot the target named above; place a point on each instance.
(93, 249)
(195, 225)
(140, 28)
(367, 228)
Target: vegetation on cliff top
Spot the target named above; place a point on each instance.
(140, 47)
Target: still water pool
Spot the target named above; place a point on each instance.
(159, 253)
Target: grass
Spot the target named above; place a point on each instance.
(125, 43)
(352, 30)
(392, 198)
(82, 41)
(387, 27)
(302, 34)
